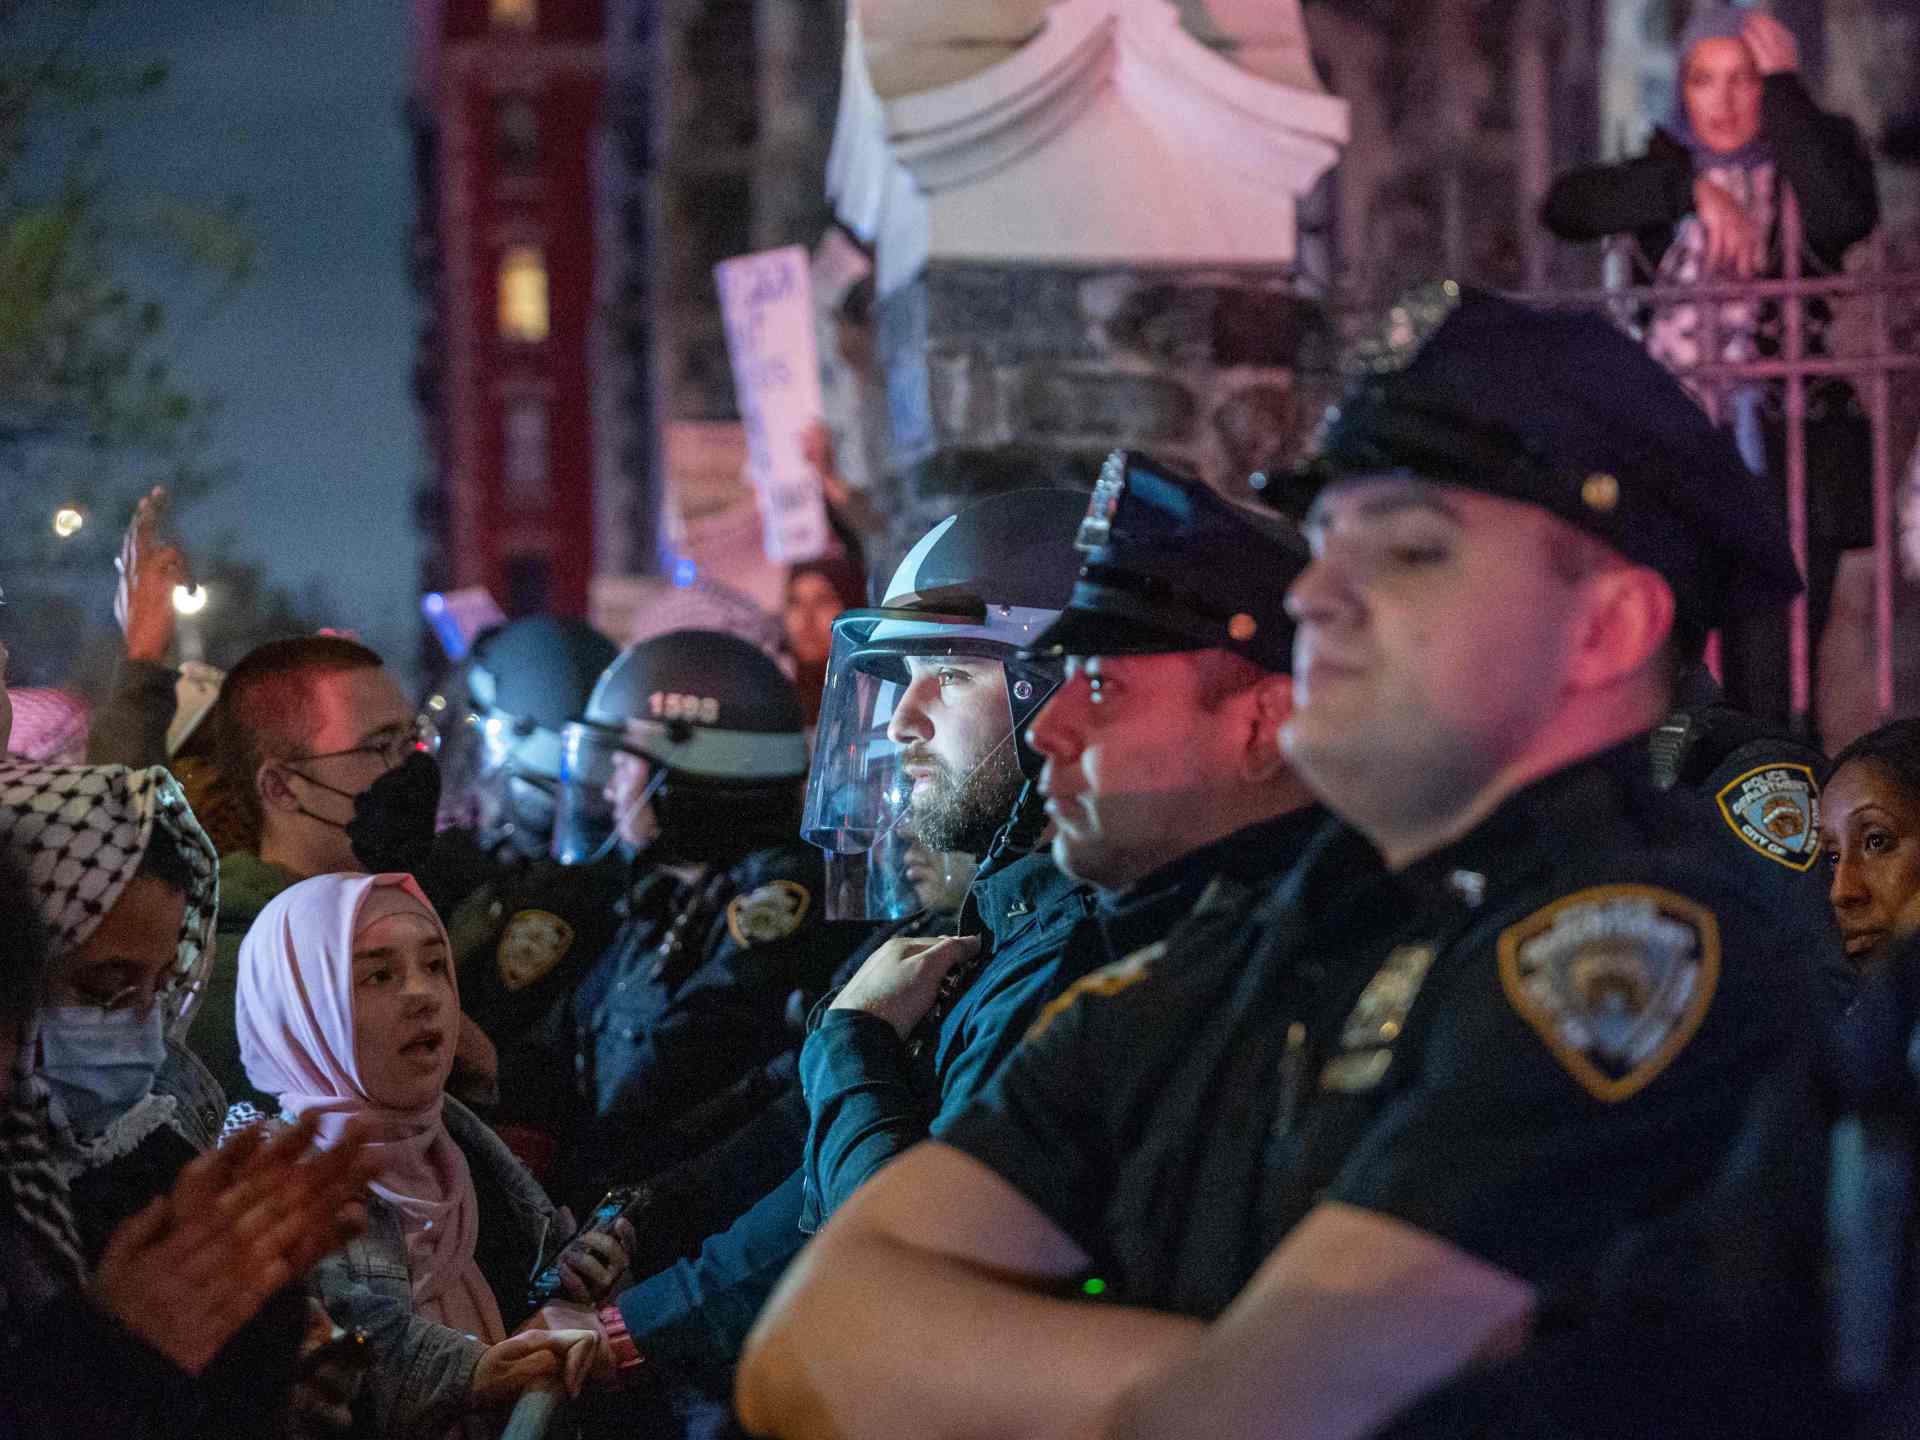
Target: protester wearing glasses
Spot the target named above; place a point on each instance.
(322, 748)
(143, 1285)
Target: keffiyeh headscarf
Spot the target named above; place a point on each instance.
(79, 833)
(295, 1018)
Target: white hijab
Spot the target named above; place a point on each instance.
(295, 1021)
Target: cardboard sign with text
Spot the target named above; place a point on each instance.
(766, 300)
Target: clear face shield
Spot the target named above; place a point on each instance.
(866, 788)
(592, 813)
(494, 780)
(460, 762)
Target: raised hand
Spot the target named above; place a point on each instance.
(1775, 51)
(149, 569)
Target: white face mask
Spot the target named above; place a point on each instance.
(99, 1064)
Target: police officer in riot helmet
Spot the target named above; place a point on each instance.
(688, 762)
(917, 766)
(922, 739)
(525, 682)
(524, 926)
(945, 645)
(690, 751)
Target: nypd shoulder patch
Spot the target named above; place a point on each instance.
(533, 942)
(1107, 980)
(1775, 809)
(768, 912)
(1615, 979)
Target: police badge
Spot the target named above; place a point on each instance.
(1615, 979)
(771, 912)
(1378, 1017)
(533, 942)
(1776, 810)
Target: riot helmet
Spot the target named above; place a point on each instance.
(948, 638)
(525, 682)
(691, 749)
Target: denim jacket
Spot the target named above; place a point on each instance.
(422, 1371)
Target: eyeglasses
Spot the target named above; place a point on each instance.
(139, 998)
(392, 745)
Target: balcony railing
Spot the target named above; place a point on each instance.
(1872, 341)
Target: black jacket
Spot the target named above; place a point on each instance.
(1821, 155)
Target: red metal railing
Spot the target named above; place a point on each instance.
(1869, 356)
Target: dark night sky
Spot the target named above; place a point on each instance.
(296, 107)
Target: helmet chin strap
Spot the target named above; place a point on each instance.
(1015, 840)
(605, 847)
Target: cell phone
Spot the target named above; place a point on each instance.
(621, 1201)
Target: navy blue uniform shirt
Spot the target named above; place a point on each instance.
(1560, 1044)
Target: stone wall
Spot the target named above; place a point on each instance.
(1003, 375)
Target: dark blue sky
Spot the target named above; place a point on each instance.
(296, 107)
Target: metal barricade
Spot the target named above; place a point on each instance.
(537, 1414)
(1885, 302)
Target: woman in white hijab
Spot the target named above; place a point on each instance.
(349, 1011)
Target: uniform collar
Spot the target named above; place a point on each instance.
(1012, 896)
(1543, 822)
(1255, 854)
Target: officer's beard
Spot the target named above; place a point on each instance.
(964, 814)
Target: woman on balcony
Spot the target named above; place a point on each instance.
(1703, 205)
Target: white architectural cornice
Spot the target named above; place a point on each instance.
(1112, 135)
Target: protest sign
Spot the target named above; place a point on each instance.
(766, 300)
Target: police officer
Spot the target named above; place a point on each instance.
(689, 761)
(525, 682)
(1492, 1117)
(1150, 731)
(523, 926)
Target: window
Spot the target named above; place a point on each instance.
(524, 437)
(516, 136)
(515, 14)
(523, 294)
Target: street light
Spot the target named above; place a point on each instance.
(189, 601)
(67, 522)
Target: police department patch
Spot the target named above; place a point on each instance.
(532, 944)
(1776, 810)
(1615, 979)
(1111, 979)
(771, 912)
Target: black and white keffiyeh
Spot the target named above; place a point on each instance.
(79, 833)
(36, 1186)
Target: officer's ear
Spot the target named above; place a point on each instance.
(1623, 624)
(1262, 759)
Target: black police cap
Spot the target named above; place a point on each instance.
(1171, 565)
(1561, 409)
